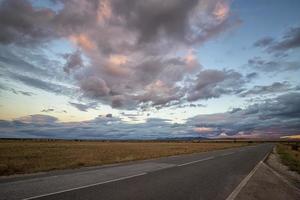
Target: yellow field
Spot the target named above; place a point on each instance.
(18, 157)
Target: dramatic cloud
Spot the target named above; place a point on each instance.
(290, 40)
(138, 54)
(40, 84)
(274, 88)
(74, 61)
(274, 65)
(107, 127)
(94, 87)
(15, 61)
(22, 24)
(277, 116)
(271, 118)
(264, 42)
(214, 83)
(145, 57)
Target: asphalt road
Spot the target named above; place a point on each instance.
(211, 175)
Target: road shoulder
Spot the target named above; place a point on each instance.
(269, 183)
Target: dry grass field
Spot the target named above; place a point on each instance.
(28, 156)
(290, 156)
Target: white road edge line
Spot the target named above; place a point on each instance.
(204, 159)
(242, 184)
(85, 186)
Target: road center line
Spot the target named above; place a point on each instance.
(85, 186)
(195, 161)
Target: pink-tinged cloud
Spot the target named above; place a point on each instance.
(129, 46)
(83, 41)
(221, 10)
(104, 11)
(203, 129)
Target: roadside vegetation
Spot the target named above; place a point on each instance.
(28, 156)
(290, 155)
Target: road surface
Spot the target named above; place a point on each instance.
(211, 175)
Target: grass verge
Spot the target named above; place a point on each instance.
(289, 157)
(18, 157)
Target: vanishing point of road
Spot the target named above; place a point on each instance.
(211, 175)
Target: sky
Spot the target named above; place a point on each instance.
(130, 69)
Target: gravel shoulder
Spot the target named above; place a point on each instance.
(272, 180)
